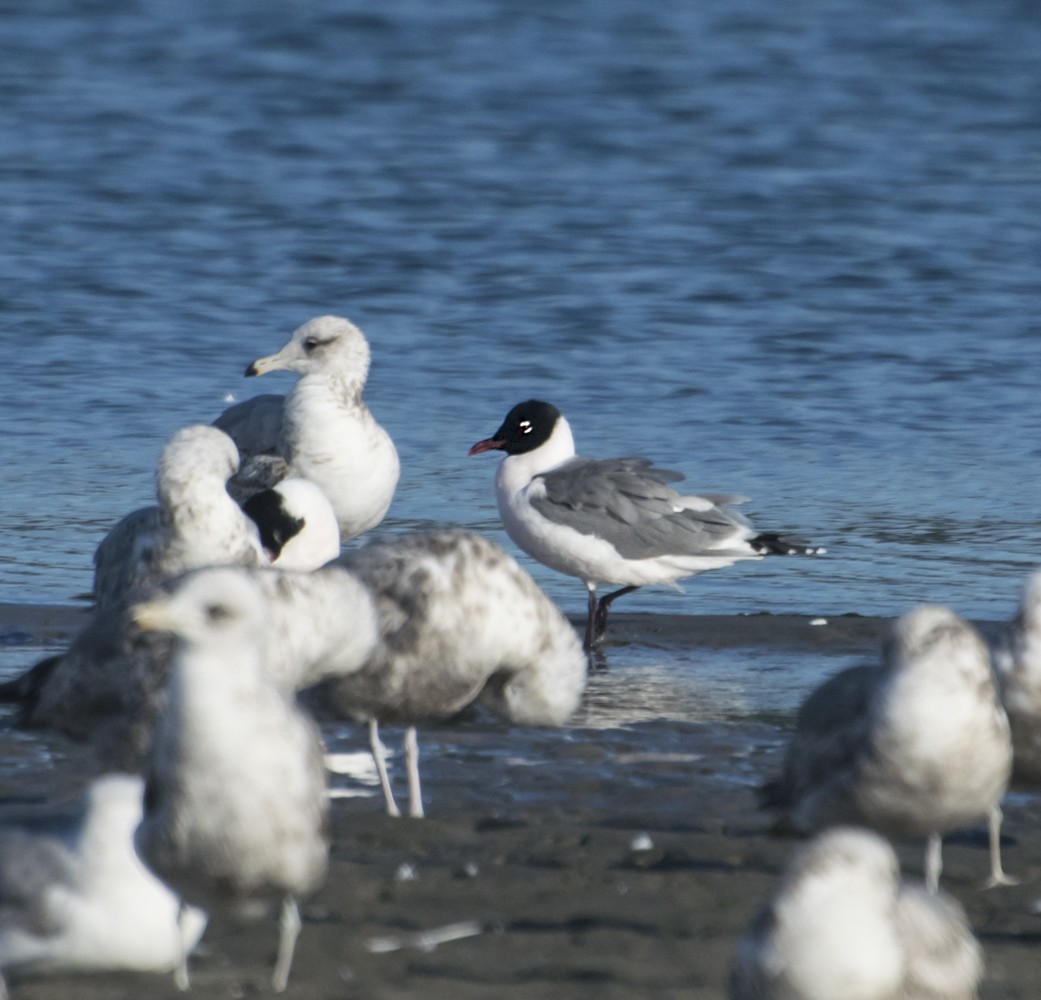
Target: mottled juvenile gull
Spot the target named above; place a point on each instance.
(235, 808)
(108, 687)
(325, 432)
(917, 747)
(75, 896)
(1018, 663)
(613, 520)
(195, 524)
(460, 623)
(843, 927)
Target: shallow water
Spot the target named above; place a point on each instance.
(698, 694)
(792, 251)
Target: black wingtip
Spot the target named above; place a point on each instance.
(771, 544)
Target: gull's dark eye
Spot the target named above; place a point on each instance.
(310, 344)
(217, 613)
(525, 427)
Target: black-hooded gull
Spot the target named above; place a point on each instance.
(460, 622)
(109, 686)
(614, 520)
(916, 747)
(322, 430)
(297, 524)
(235, 807)
(74, 896)
(842, 926)
(195, 524)
(1017, 661)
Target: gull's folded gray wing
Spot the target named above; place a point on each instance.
(628, 502)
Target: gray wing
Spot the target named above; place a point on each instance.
(107, 688)
(830, 737)
(628, 502)
(123, 560)
(255, 425)
(257, 474)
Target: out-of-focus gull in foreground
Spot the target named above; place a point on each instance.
(918, 746)
(235, 809)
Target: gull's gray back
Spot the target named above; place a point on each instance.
(255, 425)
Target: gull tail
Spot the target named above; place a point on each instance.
(24, 690)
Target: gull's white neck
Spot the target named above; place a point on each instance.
(345, 382)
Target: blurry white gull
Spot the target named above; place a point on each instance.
(843, 927)
(1017, 660)
(322, 430)
(613, 520)
(75, 896)
(917, 747)
(195, 524)
(460, 622)
(235, 807)
(108, 687)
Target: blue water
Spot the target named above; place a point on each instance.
(793, 250)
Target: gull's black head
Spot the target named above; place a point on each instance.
(277, 526)
(527, 426)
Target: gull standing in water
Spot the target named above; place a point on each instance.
(917, 747)
(460, 622)
(843, 927)
(322, 430)
(235, 807)
(613, 520)
(74, 896)
(1018, 663)
(195, 524)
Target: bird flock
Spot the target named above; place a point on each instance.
(230, 615)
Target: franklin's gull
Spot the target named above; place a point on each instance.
(614, 520)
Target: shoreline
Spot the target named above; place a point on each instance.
(622, 865)
(843, 633)
(585, 863)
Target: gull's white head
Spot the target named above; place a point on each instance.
(847, 853)
(834, 930)
(932, 634)
(222, 607)
(193, 453)
(317, 540)
(322, 344)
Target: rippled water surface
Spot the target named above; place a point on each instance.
(793, 250)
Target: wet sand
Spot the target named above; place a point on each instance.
(606, 861)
